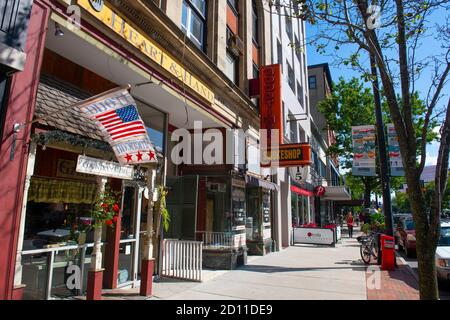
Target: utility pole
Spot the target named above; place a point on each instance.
(384, 168)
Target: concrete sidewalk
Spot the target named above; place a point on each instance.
(302, 272)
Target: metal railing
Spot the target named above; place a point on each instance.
(50, 253)
(182, 259)
(217, 240)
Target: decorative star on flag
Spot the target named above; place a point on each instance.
(129, 157)
(139, 156)
(152, 155)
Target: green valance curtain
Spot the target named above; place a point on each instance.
(45, 190)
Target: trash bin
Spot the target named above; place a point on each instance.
(387, 252)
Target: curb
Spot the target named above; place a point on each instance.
(410, 269)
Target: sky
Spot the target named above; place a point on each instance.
(430, 46)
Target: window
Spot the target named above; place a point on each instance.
(293, 128)
(232, 66)
(302, 134)
(278, 6)
(255, 71)
(296, 8)
(255, 23)
(234, 5)
(284, 120)
(193, 21)
(288, 22)
(300, 93)
(298, 50)
(291, 77)
(280, 53)
(312, 80)
(323, 169)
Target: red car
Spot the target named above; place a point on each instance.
(405, 235)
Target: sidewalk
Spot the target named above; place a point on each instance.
(302, 272)
(400, 284)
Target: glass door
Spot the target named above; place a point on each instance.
(129, 235)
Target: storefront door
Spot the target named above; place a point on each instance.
(129, 234)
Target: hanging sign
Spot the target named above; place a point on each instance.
(364, 152)
(395, 158)
(117, 116)
(287, 155)
(271, 116)
(103, 168)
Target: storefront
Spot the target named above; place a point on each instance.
(221, 217)
(57, 235)
(259, 215)
(301, 199)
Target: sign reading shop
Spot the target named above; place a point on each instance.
(103, 168)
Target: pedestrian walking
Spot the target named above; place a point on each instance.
(350, 225)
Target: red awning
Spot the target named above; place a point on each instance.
(302, 192)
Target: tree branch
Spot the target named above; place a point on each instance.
(428, 117)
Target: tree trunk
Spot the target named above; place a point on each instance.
(425, 243)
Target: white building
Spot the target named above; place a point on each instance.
(289, 49)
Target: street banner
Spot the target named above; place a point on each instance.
(395, 157)
(286, 155)
(271, 116)
(116, 115)
(364, 152)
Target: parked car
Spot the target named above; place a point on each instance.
(443, 253)
(405, 235)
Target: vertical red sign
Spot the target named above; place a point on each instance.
(271, 104)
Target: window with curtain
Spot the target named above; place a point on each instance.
(193, 21)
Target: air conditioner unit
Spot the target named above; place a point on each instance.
(236, 45)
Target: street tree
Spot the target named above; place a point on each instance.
(390, 46)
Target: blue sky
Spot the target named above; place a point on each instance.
(430, 46)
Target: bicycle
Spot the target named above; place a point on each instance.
(369, 247)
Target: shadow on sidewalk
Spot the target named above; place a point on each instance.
(275, 269)
(401, 273)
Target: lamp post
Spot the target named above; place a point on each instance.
(384, 167)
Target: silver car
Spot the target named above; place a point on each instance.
(443, 253)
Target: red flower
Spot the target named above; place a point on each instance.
(109, 223)
(116, 208)
(115, 219)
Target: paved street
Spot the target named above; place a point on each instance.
(300, 272)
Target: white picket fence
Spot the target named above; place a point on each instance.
(182, 259)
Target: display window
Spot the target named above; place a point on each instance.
(238, 208)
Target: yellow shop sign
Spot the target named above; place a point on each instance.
(111, 19)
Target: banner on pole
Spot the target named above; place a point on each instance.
(395, 157)
(364, 151)
(115, 113)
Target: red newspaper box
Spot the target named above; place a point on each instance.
(387, 252)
